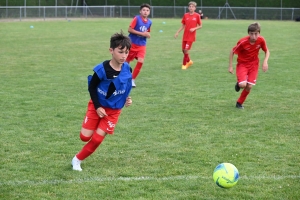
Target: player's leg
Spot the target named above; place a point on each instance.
(106, 126)
(251, 81)
(140, 61)
(241, 74)
(89, 125)
(131, 56)
(185, 54)
(188, 47)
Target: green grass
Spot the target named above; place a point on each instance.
(181, 125)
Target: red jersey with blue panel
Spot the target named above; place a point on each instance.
(141, 25)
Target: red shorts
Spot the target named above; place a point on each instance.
(135, 55)
(187, 45)
(247, 72)
(92, 121)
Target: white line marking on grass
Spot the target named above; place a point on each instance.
(141, 178)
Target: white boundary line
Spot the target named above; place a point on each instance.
(141, 178)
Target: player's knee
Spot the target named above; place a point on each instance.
(249, 86)
(243, 85)
(85, 138)
(97, 139)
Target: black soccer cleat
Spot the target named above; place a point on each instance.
(239, 106)
(237, 87)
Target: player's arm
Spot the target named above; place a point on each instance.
(143, 34)
(180, 29)
(230, 68)
(94, 96)
(196, 28)
(265, 63)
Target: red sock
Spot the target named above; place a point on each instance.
(84, 138)
(90, 147)
(185, 58)
(188, 58)
(137, 70)
(243, 96)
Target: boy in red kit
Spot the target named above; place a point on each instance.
(191, 22)
(109, 88)
(247, 65)
(139, 31)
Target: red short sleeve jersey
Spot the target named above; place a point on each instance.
(249, 52)
(190, 21)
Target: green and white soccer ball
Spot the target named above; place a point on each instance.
(226, 175)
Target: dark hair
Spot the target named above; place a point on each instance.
(254, 27)
(145, 5)
(119, 39)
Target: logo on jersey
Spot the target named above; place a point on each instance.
(102, 92)
(257, 46)
(143, 28)
(116, 92)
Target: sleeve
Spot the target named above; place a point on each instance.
(237, 48)
(199, 20)
(264, 45)
(183, 20)
(95, 80)
(133, 22)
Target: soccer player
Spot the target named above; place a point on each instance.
(109, 88)
(191, 22)
(139, 31)
(247, 50)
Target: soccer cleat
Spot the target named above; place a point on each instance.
(183, 67)
(189, 64)
(237, 87)
(239, 106)
(133, 83)
(76, 164)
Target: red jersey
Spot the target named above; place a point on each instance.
(249, 52)
(190, 21)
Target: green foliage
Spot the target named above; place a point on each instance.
(181, 125)
(233, 3)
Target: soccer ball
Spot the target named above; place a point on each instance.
(226, 175)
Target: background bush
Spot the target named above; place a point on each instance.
(233, 3)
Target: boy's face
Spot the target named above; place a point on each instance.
(253, 35)
(119, 55)
(145, 12)
(192, 8)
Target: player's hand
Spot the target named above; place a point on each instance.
(147, 34)
(265, 67)
(101, 112)
(128, 101)
(230, 70)
(192, 30)
(176, 35)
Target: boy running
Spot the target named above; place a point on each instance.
(247, 50)
(191, 22)
(139, 31)
(109, 88)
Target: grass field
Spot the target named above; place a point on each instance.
(182, 123)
